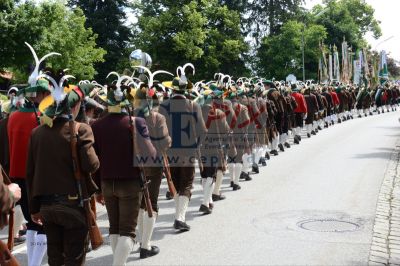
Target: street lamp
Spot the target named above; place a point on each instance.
(376, 46)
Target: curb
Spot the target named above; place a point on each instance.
(385, 247)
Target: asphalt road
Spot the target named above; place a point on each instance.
(314, 204)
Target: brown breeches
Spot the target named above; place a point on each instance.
(182, 178)
(66, 232)
(122, 198)
(154, 176)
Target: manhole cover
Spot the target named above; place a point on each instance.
(328, 225)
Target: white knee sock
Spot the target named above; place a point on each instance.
(30, 244)
(113, 241)
(218, 182)
(183, 205)
(275, 142)
(176, 199)
(148, 226)
(139, 233)
(259, 154)
(246, 162)
(39, 250)
(231, 169)
(122, 249)
(207, 189)
(309, 128)
(238, 171)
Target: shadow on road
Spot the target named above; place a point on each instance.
(374, 155)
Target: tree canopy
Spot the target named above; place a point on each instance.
(202, 32)
(235, 37)
(64, 33)
(108, 20)
(281, 54)
(349, 19)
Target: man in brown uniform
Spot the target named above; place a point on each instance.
(120, 174)
(239, 132)
(54, 200)
(186, 124)
(153, 170)
(211, 150)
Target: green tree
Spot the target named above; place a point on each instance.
(64, 33)
(108, 20)
(202, 32)
(266, 17)
(281, 54)
(351, 19)
(225, 48)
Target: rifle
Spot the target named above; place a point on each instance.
(171, 186)
(220, 151)
(198, 154)
(96, 239)
(145, 182)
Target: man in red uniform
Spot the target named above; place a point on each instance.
(299, 113)
(336, 103)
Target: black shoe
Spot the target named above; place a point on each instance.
(316, 131)
(333, 123)
(299, 137)
(313, 132)
(359, 116)
(296, 141)
(274, 152)
(339, 120)
(287, 145)
(309, 135)
(218, 197)
(383, 111)
(267, 156)
(254, 168)
(204, 209)
(245, 176)
(19, 240)
(344, 118)
(262, 161)
(232, 183)
(370, 113)
(379, 112)
(145, 253)
(281, 147)
(181, 226)
(319, 128)
(168, 195)
(236, 187)
(326, 125)
(365, 115)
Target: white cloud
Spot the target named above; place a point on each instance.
(386, 11)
